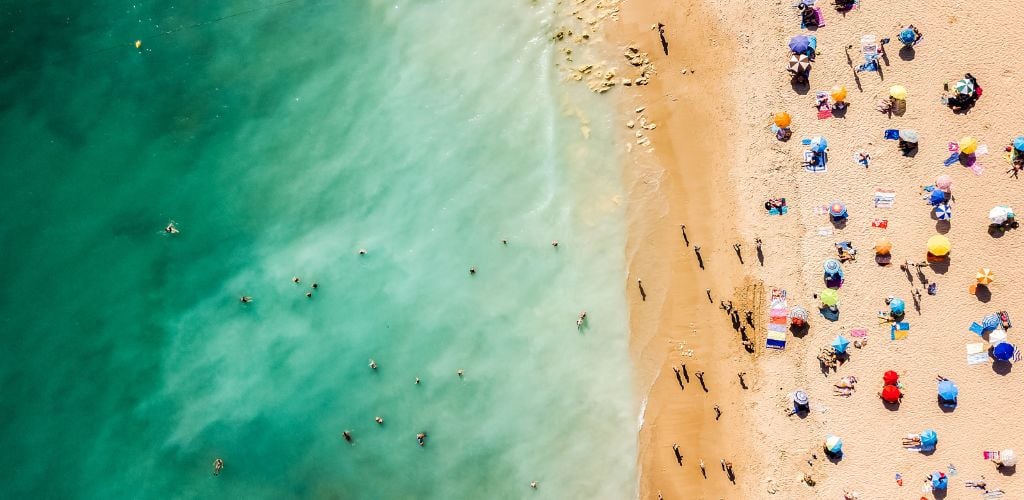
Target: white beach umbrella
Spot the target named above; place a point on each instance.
(998, 215)
(1008, 458)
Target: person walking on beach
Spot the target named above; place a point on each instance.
(718, 412)
(686, 239)
(640, 285)
(703, 471)
(679, 456)
(661, 34)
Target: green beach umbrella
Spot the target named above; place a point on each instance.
(829, 297)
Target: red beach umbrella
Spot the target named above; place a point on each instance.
(890, 377)
(891, 394)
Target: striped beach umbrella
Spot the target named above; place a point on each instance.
(837, 209)
(964, 86)
(991, 322)
(984, 276)
(798, 312)
(833, 268)
(833, 444)
(799, 63)
(943, 211)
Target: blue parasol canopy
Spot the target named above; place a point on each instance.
(928, 439)
(991, 322)
(943, 211)
(939, 481)
(840, 344)
(897, 306)
(937, 197)
(819, 144)
(1018, 143)
(907, 36)
(1003, 351)
(948, 390)
(833, 268)
(799, 44)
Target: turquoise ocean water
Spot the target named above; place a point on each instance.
(282, 137)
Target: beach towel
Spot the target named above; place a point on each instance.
(880, 223)
(976, 354)
(824, 108)
(884, 198)
(953, 158)
(815, 163)
(778, 319)
(976, 328)
(900, 331)
(825, 231)
(859, 332)
(779, 211)
(892, 134)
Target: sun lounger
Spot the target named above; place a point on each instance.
(884, 198)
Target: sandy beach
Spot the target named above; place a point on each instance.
(711, 162)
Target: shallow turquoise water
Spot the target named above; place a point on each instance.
(282, 137)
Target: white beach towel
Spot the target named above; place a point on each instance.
(884, 198)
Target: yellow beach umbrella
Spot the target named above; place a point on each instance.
(968, 145)
(829, 297)
(782, 119)
(839, 93)
(883, 246)
(898, 92)
(938, 245)
(984, 276)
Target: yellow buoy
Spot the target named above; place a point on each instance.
(138, 44)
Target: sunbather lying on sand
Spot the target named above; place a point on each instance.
(912, 441)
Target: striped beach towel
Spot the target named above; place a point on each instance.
(884, 198)
(900, 331)
(778, 320)
(815, 166)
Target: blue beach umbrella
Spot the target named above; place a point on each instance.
(907, 36)
(943, 211)
(839, 344)
(937, 197)
(948, 391)
(799, 44)
(928, 439)
(1018, 143)
(939, 481)
(1003, 352)
(833, 444)
(991, 322)
(837, 209)
(832, 268)
(819, 144)
(897, 306)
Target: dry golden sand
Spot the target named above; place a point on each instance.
(711, 164)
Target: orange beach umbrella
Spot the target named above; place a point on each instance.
(985, 276)
(782, 119)
(838, 93)
(883, 246)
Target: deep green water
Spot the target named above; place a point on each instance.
(282, 137)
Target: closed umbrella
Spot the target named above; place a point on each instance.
(939, 481)
(937, 197)
(999, 215)
(984, 276)
(1008, 458)
(944, 182)
(964, 86)
(838, 93)
(948, 391)
(890, 377)
(898, 92)
(883, 246)
(897, 306)
(837, 209)
(819, 144)
(799, 63)
(991, 322)
(840, 344)
(928, 439)
(829, 297)
(833, 444)
(943, 211)
(891, 394)
(782, 119)
(1003, 351)
(799, 313)
(1018, 143)
(938, 245)
(968, 145)
(908, 135)
(799, 44)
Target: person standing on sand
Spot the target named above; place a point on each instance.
(703, 471)
(661, 34)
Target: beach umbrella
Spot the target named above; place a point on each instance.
(1018, 143)
(840, 344)
(968, 145)
(964, 86)
(798, 312)
(833, 444)
(1003, 351)
(928, 439)
(984, 276)
(819, 144)
(782, 119)
(997, 336)
(908, 135)
(948, 390)
(897, 306)
(943, 211)
(798, 63)
(890, 377)
(937, 197)
(883, 246)
(938, 245)
(829, 297)
(898, 92)
(838, 93)
(944, 182)
(991, 322)
(907, 36)
(1008, 458)
(998, 215)
(837, 209)
(800, 397)
(799, 44)
(891, 394)
(832, 267)
(939, 481)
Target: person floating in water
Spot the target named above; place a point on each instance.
(379, 420)
(347, 435)
(460, 373)
(421, 438)
(246, 299)
(218, 465)
(171, 228)
(373, 364)
(295, 279)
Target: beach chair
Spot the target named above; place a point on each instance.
(869, 49)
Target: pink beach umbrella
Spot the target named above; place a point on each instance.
(944, 182)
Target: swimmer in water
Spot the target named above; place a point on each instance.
(378, 419)
(246, 299)
(347, 435)
(218, 464)
(421, 438)
(373, 364)
(171, 228)
(295, 279)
